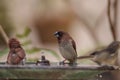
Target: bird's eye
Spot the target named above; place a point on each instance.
(58, 34)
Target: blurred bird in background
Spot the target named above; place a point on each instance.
(16, 54)
(107, 56)
(67, 47)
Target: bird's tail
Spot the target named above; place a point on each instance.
(85, 57)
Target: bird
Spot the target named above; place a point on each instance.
(16, 54)
(105, 57)
(67, 47)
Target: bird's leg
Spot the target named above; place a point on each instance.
(72, 63)
(22, 62)
(62, 62)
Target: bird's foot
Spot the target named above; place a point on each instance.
(72, 64)
(62, 63)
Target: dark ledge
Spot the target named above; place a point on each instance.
(30, 65)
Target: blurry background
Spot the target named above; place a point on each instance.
(34, 22)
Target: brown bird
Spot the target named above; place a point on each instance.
(107, 56)
(67, 47)
(16, 54)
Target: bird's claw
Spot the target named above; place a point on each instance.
(72, 64)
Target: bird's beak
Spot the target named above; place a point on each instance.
(56, 34)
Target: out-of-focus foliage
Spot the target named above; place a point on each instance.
(3, 52)
(27, 42)
(25, 33)
(33, 50)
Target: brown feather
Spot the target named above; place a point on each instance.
(16, 53)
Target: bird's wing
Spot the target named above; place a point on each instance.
(21, 53)
(72, 42)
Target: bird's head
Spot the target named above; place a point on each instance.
(113, 47)
(14, 43)
(59, 34)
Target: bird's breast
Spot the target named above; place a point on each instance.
(67, 51)
(105, 58)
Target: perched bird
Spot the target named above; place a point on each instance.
(16, 54)
(107, 56)
(67, 47)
